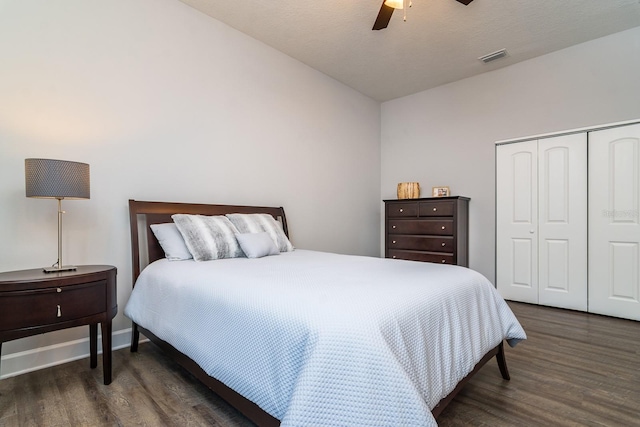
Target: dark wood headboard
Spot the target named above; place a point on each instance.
(160, 212)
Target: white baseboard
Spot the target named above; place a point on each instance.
(57, 354)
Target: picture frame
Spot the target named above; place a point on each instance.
(440, 192)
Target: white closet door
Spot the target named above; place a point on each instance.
(614, 223)
(517, 221)
(562, 221)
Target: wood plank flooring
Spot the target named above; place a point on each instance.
(575, 369)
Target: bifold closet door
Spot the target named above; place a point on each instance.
(562, 221)
(517, 221)
(541, 221)
(614, 222)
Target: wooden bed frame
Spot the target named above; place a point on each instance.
(143, 253)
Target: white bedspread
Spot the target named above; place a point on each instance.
(319, 339)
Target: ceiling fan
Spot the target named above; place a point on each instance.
(386, 10)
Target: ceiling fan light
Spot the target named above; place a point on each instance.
(396, 4)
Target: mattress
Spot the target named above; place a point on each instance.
(321, 339)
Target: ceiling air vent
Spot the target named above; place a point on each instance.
(493, 56)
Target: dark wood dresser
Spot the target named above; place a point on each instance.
(33, 302)
(433, 229)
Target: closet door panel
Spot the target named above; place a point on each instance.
(517, 221)
(614, 222)
(562, 223)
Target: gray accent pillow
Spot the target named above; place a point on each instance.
(257, 245)
(171, 241)
(208, 237)
(256, 223)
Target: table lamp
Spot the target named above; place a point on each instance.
(57, 179)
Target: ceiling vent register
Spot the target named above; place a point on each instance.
(493, 56)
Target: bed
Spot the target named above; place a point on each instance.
(312, 338)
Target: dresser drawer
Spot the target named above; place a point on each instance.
(421, 226)
(402, 210)
(421, 243)
(422, 256)
(437, 208)
(30, 308)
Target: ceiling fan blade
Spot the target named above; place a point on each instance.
(384, 16)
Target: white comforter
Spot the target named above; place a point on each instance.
(320, 339)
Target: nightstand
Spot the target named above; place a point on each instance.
(33, 302)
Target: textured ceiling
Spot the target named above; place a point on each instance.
(439, 43)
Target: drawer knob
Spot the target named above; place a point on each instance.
(443, 261)
(443, 227)
(393, 227)
(394, 242)
(59, 312)
(435, 209)
(401, 210)
(394, 257)
(443, 245)
(58, 290)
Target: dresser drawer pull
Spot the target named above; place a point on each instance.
(401, 210)
(394, 242)
(443, 227)
(393, 227)
(435, 209)
(58, 290)
(394, 257)
(443, 245)
(59, 312)
(444, 261)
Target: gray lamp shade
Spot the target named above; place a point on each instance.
(56, 179)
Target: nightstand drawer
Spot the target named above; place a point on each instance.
(438, 208)
(421, 243)
(30, 308)
(422, 256)
(421, 226)
(402, 210)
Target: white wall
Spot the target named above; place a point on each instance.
(168, 104)
(446, 136)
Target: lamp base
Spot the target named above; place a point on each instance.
(59, 269)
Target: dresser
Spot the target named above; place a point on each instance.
(433, 229)
(33, 302)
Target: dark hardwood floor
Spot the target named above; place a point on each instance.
(576, 369)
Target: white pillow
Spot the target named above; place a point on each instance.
(171, 241)
(256, 223)
(208, 237)
(257, 245)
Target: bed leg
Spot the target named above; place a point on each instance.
(502, 362)
(135, 337)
